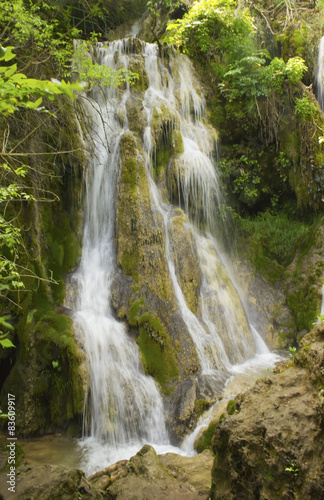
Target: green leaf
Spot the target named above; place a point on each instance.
(4, 323)
(6, 343)
(8, 55)
(10, 71)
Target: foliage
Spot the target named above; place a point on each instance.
(267, 229)
(295, 69)
(18, 91)
(292, 469)
(319, 319)
(256, 175)
(44, 32)
(211, 25)
(251, 76)
(306, 109)
(36, 31)
(10, 238)
(222, 38)
(5, 342)
(153, 5)
(93, 73)
(292, 351)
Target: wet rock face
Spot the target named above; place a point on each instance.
(267, 305)
(186, 262)
(273, 447)
(304, 279)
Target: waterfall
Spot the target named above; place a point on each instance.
(320, 74)
(198, 181)
(124, 408)
(123, 405)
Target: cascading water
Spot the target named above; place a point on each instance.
(124, 407)
(198, 183)
(320, 74)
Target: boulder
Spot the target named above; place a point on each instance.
(273, 446)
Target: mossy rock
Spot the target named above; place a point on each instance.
(186, 264)
(140, 229)
(205, 442)
(158, 353)
(49, 377)
(232, 407)
(201, 405)
(304, 278)
(137, 65)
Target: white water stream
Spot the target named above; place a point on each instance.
(320, 74)
(124, 408)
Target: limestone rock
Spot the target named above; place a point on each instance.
(49, 482)
(267, 304)
(169, 476)
(186, 263)
(273, 447)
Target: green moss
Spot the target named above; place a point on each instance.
(163, 156)
(63, 388)
(134, 309)
(303, 290)
(177, 142)
(129, 174)
(128, 253)
(232, 407)
(142, 82)
(304, 304)
(154, 343)
(267, 231)
(292, 42)
(129, 263)
(61, 248)
(201, 405)
(205, 442)
(157, 358)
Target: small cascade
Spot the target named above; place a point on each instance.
(222, 335)
(322, 306)
(124, 407)
(320, 74)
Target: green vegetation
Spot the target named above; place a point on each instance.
(292, 352)
(201, 405)
(43, 36)
(155, 345)
(292, 469)
(266, 232)
(232, 407)
(205, 442)
(253, 66)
